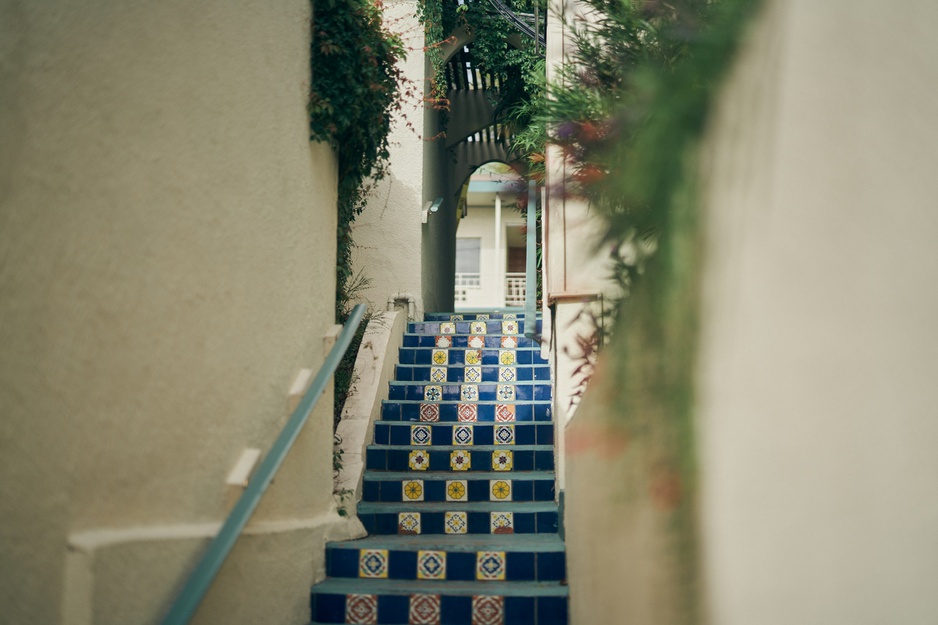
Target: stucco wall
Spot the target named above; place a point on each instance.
(820, 350)
(388, 233)
(164, 229)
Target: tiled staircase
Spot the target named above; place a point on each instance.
(458, 495)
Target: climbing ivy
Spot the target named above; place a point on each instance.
(356, 88)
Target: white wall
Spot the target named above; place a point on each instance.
(167, 236)
(820, 349)
(480, 223)
(388, 234)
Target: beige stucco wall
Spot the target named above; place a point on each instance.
(164, 229)
(388, 233)
(820, 350)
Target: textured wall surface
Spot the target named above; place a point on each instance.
(166, 253)
(388, 232)
(820, 349)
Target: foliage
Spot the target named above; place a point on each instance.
(356, 89)
(497, 47)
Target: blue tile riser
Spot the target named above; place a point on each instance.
(487, 391)
(457, 356)
(439, 460)
(459, 341)
(454, 609)
(483, 433)
(490, 373)
(432, 328)
(478, 489)
(410, 412)
(386, 523)
(527, 566)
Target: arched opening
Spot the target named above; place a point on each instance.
(490, 240)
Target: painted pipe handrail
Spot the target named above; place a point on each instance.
(201, 578)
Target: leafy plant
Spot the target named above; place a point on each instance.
(357, 87)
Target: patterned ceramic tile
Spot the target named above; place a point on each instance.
(419, 460)
(462, 434)
(412, 490)
(478, 327)
(408, 523)
(473, 356)
(467, 413)
(502, 522)
(443, 341)
(438, 374)
(490, 566)
(504, 435)
(510, 327)
(429, 412)
(488, 610)
(510, 316)
(504, 412)
(502, 461)
(361, 609)
(432, 392)
(440, 356)
(476, 341)
(460, 460)
(505, 392)
(373, 563)
(431, 565)
(456, 490)
(420, 434)
(507, 374)
(509, 342)
(472, 374)
(455, 317)
(455, 522)
(506, 357)
(500, 490)
(470, 392)
(447, 327)
(424, 610)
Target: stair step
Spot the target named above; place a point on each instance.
(512, 313)
(456, 603)
(459, 519)
(458, 356)
(403, 433)
(508, 327)
(486, 391)
(490, 341)
(474, 412)
(466, 374)
(447, 486)
(495, 557)
(419, 459)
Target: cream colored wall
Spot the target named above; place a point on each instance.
(480, 223)
(576, 266)
(388, 233)
(167, 244)
(818, 362)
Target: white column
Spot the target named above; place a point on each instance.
(499, 255)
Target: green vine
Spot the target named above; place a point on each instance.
(356, 89)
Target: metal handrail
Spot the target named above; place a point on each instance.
(201, 578)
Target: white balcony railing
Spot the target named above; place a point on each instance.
(466, 282)
(514, 289)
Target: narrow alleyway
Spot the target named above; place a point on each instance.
(459, 488)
